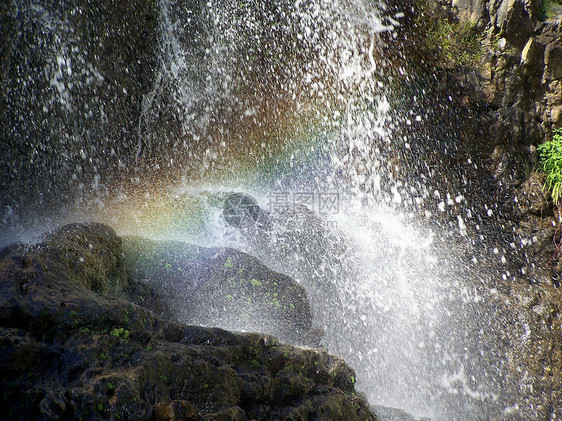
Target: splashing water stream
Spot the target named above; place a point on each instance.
(283, 101)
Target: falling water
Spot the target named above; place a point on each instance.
(275, 100)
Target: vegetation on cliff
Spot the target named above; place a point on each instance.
(551, 162)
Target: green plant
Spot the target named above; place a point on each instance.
(545, 10)
(456, 43)
(255, 283)
(550, 154)
(120, 333)
(228, 263)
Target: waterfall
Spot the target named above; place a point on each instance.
(148, 123)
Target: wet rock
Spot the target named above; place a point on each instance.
(392, 414)
(532, 196)
(220, 286)
(86, 254)
(175, 410)
(74, 348)
(553, 60)
(533, 360)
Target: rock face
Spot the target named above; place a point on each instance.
(78, 340)
(531, 317)
(522, 75)
(511, 95)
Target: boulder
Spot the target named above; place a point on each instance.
(221, 287)
(533, 54)
(77, 346)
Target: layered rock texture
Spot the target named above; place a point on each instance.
(522, 72)
(83, 335)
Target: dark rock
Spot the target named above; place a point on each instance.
(533, 320)
(473, 10)
(175, 410)
(392, 414)
(220, 287)
(533, 198)
(525, 86)
(86, 254)
(72, 348)
(553, 60)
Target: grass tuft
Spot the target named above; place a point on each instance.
(551, 161)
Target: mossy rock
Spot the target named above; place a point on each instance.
(220, 287)
(69, 351)
(86, 254)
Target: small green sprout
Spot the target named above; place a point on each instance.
(256, 283)
(120, 333)
(228, 263)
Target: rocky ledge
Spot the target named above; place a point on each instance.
(83, 335)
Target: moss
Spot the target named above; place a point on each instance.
(545, 10)
(120, 333)
(255, 283)
(228, 263)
